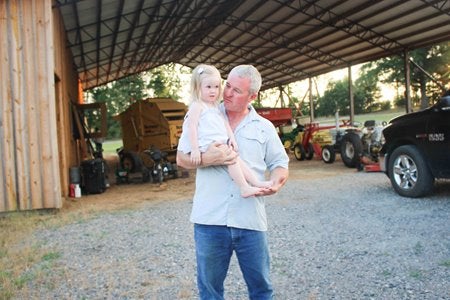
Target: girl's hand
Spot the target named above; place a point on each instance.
(233, 144)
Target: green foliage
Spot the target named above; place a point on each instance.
(435, 60)
(366, 93)
(118, 95)
(336, 98)
(163, 81)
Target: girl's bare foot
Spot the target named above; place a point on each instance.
(250, 191)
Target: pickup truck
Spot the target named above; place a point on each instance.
(416, 149)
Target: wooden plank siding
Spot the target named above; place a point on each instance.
(36, 84)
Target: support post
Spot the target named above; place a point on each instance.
(350, 95)
(311, 101)
(407, 82)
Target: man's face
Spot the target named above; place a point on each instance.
(236, 95)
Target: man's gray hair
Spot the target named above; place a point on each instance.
(250, 72)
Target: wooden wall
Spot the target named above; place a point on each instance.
(34, 109)
(66, 94)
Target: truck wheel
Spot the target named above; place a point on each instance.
(328, 154)
(351, 149)
(299, 152)
(408, 172)
(309, 151)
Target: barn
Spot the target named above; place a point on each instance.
(51, 50)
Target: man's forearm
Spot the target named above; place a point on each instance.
(279, 177)
(184, 161)
(217, 154)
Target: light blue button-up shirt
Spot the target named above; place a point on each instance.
(217, 199)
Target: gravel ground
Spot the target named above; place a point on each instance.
(335, 237)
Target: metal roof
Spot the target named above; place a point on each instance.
(286, 40)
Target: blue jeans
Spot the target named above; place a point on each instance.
(214, 248)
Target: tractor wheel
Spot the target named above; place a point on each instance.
(299, 152)
(328, 154)
(131, 162)
(351, 149)
(287, 144)
(309, 151)
(160, 176)
(146, 176)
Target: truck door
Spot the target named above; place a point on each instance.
(438, 131)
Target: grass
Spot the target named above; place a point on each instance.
(110, 146)
(377, 116)
(16, 259)
(445, 263)
(22, 258)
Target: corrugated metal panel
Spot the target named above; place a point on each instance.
(29, 170)
(287, 41)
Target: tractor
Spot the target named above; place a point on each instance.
(357, 146)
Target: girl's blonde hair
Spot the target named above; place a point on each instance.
(198, 74)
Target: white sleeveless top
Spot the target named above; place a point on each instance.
(211, 128)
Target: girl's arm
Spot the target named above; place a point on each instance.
(232, 140)
(217, 154)
(193, 118)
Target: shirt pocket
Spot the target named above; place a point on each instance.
(252, 143)
(254, 135)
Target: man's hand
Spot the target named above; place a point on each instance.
(279, 177)
(216, 154)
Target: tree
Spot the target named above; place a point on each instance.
(435, 60)
(366, 93)
(118, 95)
(336, 98)
(163, 81)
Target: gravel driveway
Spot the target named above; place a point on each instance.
(346, 236)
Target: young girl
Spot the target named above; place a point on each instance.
(205, 124)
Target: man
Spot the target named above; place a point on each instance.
(224, 221)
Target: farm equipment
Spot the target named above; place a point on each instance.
(314, 137)
(358, 147)
(149, 166)
(152, 122)
(151, 129)
(281, 118)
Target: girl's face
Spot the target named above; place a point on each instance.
(209, 89)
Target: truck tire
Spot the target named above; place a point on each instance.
(409, 173)
(328, 154)
(299, 152)
(351, 149)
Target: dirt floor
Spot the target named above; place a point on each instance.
(132, 195)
